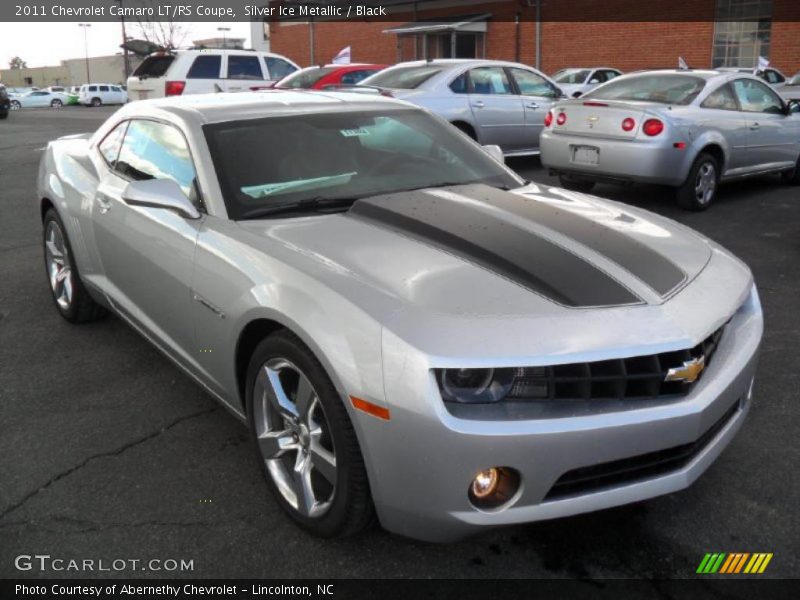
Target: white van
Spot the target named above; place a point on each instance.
(97, 94)
(206, 71)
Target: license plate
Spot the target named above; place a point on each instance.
(586, 155)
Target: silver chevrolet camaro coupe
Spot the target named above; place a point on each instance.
(409, 329)
(686, 129)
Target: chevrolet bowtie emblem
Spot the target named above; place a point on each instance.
(591, 121)
(688, 372)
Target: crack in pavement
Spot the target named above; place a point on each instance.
(117, 452)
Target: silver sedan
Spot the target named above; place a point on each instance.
(408, 328)
(493, 102)
(685, 129)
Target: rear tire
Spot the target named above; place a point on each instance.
(97, 102)
(792, 177)
(309, 448)
(700, 188)
(466, 129)
(576, 184)
(56, 104)
(72, 300)
(15, 105)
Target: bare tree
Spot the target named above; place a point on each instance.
(17, 63)
(167, 35)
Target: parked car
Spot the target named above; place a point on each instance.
(38, 99)
(791, 91)
(407, 326)
(771, 75)
(685, 129)
(328, 76)
(493, 102)
(5, 102)
(205, 72)
(97, 94)
(575, 82)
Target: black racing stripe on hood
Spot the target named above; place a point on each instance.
(497, 245)
(654, 269)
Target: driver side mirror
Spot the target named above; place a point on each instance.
(495, 152)
(160, 193)
(793, 107)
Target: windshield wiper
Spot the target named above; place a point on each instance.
(316, 204)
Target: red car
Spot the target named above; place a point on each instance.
(322, 77)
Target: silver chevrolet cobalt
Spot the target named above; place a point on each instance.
(409, 329)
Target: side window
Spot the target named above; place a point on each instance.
(490, 80)
(721, 99)
(597, 77)
(110, 145)
(774, 76)
(92, 88)
(244, 67)
(278, 68)
(460, 85)
(754, 96)
(157, 151)
(103, 88)
(114, 88)
(353, 77)
(531, 84)
(205, 67)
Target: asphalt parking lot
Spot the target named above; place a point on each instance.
(108, 451)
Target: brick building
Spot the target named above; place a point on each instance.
(566, 33)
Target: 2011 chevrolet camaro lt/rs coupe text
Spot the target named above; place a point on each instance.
(410, 330)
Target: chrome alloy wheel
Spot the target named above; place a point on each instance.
(706, 183)
(294, 437)
(59, 267)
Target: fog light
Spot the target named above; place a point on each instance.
(485, 484)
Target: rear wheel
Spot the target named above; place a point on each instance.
(96, 102)
(70, 297)
(792, 177)
(15, 105)
(306, 444)
(56, 104)
(576, 184)
(700, 188)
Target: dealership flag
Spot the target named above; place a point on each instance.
(763, 63)
(682, 64)
(343, 58)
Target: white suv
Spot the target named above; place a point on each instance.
(186, 72)
(97, 94)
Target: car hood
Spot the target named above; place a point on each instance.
(448, 268)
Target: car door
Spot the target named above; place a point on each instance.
(771, 135)
(204, 75)
(496, 109)
(720, 112)
(104, 92)
(147, 253)
(537, 95)
(242, 72)
(37, 100)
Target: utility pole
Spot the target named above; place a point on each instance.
(85, 27)
(224, 31)
(125, 64)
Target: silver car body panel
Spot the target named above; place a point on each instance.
(381, 309)
(750, 143)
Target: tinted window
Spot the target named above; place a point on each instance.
(279, 68)
(722, 99)
(109, 147)
(353, 77)
(205, 67)
(350, 154)
(304, 78)
(754, 96)
(103, 88)
(403, 78)
(154, 66)
(156, 151)
(531, 84)
(460, 84)
(774, 77)
(244, 67)
(571, 76)
(490, 80)
(92, 88)
(114, 88)
(663, 88)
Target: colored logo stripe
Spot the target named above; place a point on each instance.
(711, 563)
(721, 562)
(758, 563)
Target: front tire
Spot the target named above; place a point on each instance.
(56, 104)
(15, 105)
(72, 300)
(792, 177)
(305, 441)
(700, 188)
(96, 102)
(575, 184)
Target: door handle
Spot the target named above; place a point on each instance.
(531, 105)
(755, 126)
(478, 104)
(104, 204)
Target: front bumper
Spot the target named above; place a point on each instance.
(424, 459)
(640, 161)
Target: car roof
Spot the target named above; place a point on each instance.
(215, 108)
(453, 62)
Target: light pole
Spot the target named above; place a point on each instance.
(224, 30)
(126, 66)
(85, 27)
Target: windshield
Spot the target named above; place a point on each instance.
(154, 66)
(663, 88)
(402, 78)
(571, 76)
(343, 155)
(305, 78)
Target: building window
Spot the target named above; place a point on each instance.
(742, 32)
(455, 44)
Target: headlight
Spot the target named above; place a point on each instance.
(474, 386)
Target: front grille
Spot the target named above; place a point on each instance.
(637, 468)
(638, 377)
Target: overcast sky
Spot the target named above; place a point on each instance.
(41, 44)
